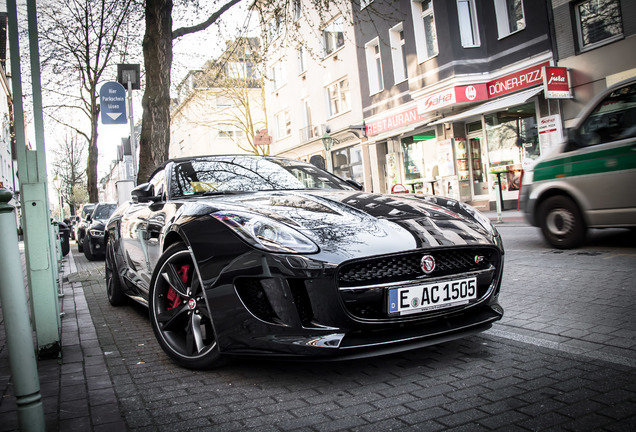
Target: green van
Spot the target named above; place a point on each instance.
(588, 181)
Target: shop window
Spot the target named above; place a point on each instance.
(613, 119)
(333, 36)
(398, 54)
(468, 30)
(510, 17)
(473, 127)
(424, 27)
(338, 97)
(598, 22)
(421, 162)
(512, 138)
(374, 66)
(347, 164)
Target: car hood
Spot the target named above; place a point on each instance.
(356, 223)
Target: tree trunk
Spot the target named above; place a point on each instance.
(154, 141)
(91, 168)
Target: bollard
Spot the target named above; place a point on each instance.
(18, 329)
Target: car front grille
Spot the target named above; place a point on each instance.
(362, 283)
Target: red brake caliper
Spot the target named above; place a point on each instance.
(172, 296)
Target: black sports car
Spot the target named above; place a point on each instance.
(253, 255)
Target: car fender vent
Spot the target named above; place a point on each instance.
(253, 296)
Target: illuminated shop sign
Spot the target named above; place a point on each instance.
(394, 121)
(555, 83)
(517, 81)
(453, 95)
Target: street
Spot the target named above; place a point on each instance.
(562, 358)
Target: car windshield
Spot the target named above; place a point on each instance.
(88, 209)
(219, 175)
(104, 211)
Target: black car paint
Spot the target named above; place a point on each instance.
(347, 225)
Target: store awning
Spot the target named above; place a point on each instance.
(493, 105)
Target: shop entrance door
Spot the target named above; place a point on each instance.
(478, 167)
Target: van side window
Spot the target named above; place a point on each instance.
(613, 119)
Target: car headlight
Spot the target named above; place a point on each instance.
(96, 233)
(480, 218)
(265, 233)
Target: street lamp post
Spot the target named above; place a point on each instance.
(327, 142)
(57, 184)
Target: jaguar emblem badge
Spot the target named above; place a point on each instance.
(428, 264)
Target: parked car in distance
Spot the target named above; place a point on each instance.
(94, 237)
(253, 255)
(80, 227)
(73, 221)
(588, 180)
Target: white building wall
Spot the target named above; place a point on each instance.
(311, 85)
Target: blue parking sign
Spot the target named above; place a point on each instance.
(112, 97)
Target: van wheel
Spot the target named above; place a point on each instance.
(562, 224)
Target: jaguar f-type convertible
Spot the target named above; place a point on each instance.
(254, 255)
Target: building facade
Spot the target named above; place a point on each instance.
(595, 40)
(452, 94)
(220, 108)
(313, 91)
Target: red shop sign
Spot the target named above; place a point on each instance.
(555, 83)
(392, 122)
(517, 81)
(450, 96)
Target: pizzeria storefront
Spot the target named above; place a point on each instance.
(492, 141)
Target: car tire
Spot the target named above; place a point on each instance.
(87, 250)
(114, 291)
(562, 223)
(179, 311)
(80, 244)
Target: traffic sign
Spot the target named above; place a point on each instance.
(112, 97)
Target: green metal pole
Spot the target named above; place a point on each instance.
(39, 253)
(22, 361)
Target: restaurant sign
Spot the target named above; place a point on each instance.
(453, 95)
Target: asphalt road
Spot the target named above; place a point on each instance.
(563, 358)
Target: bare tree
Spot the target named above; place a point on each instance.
(80, 40)
(69, 159)
(227, 99)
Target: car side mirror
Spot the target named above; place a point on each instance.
(88, 218)
(144, 193)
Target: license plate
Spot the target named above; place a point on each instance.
(438, 295)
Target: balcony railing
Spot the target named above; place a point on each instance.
(310, 132)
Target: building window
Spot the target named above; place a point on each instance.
(279, 74)
(374, 66)
(274, 28)
(229, 131)
(283, 124)
(510, 17)
(298, 9)
(468, 29)
(598, 22)
(333, 36)
(301, 57)
(338, 94)
(398, 53)
(223, 100)
(424, 27)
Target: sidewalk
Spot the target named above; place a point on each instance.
(77, 392)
